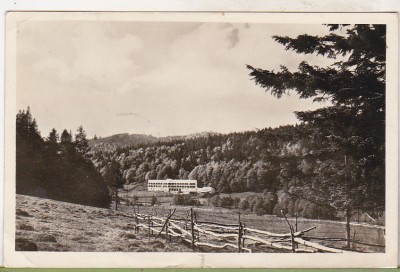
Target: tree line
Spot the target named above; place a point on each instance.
(56, 167)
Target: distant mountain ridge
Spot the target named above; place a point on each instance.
(119, 140)
(125, 139)
(189, 136)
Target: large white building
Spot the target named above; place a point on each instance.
(176, 186)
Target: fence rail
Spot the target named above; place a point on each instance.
(223, 236)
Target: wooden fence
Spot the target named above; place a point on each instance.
(201, 234)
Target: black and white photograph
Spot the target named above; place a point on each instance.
(215, 135)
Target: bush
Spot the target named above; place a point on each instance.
(185, 200)
(226, 202)
(244, 204)
(253, 200)
(259, 208)
(318, 212)
(236, 201)
(215, 201)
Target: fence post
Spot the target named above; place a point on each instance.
(348, 235)
(186, 222)
(244, 234)
(297, 246)
(240, 237)
(197, 237)
(166, 226)
(148, 222)
(291, 232)
(192, 226)
(137, 222)
(240, 234)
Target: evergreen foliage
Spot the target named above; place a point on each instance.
(348, 170)
(49, 169)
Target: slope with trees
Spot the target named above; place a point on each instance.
(56, 168)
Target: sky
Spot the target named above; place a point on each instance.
(156, 78)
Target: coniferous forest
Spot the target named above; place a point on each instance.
(56, 167)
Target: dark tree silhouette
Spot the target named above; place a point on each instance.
(52, 170)
(114, 179)
(351, 131)
(81, 143)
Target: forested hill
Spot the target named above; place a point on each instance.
(288, 159)
(236, 162)
(111, 143)
(124, 139)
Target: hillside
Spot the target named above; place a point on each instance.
(48, 225)
(111, 143)
(286, 159)
(118, 140)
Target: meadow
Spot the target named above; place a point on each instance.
(48, 225)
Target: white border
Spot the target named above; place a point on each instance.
(61, 259)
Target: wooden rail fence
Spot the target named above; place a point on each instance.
(222, 236)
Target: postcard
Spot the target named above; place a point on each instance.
(173, 139)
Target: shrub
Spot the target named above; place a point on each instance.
(185, 200)
(226, 202)
(259, 208)
(244, 204)
(315, 211)
(236, 201)
(215, 201)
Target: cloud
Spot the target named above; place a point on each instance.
(201, 84)
(98, 62)
(171, 79)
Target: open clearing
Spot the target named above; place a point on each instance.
(48, 225)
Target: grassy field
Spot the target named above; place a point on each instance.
(49, 225)
(365, 233)
(332, 229)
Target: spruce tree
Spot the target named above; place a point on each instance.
(113, 177)
(350, 131)
(53, 136)
(81, 143)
